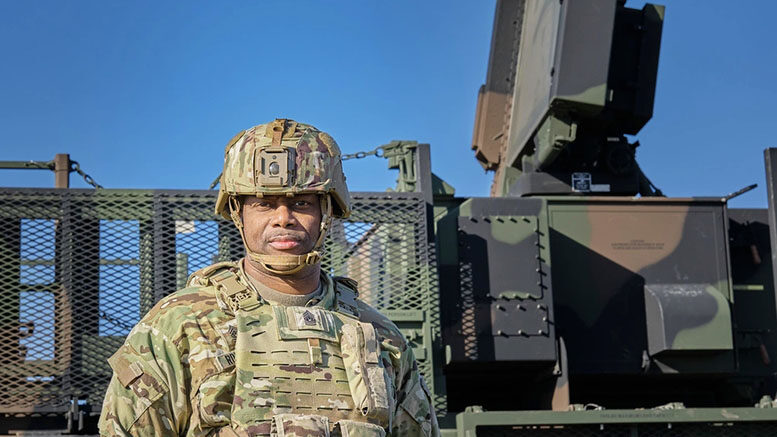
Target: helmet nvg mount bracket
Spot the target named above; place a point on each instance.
(283, 158)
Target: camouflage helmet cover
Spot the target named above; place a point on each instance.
(283, 157)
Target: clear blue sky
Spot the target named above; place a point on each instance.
(145, 94)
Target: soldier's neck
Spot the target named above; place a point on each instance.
(303, 282)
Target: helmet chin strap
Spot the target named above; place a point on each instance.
(295, 263)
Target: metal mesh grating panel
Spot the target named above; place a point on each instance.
(736, 429)
(78, 268)
(383, 247)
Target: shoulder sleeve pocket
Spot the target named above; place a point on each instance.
(140, 385)
(126, 371)
(417, 403)
(418, 406)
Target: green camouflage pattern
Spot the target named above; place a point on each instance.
(314, 165)
(645, 250)
(204, 362)
(618, 279)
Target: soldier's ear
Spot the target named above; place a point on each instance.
(235, 205)
(241, 202)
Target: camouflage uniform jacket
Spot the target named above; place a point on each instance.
(178, 372)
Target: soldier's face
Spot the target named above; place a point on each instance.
(277, 225)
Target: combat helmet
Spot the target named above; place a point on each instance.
(283, 158)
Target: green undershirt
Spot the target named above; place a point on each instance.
(285, 299)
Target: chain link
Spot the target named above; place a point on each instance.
(378, 151)
(116, 322)
(88, 179)
(215, 182)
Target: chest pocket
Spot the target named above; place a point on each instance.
(308, 425)
(371, 385)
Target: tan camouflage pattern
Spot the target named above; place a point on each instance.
(199, 364)
(349, 428)
(301, 425)
(314, 165)
(367, 380)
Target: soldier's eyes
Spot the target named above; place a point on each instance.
(264, 204)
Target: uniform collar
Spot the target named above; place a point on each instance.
(325, 299)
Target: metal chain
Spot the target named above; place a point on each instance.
(88, 179)
(215, 182)
(378, 151)
(115, 322)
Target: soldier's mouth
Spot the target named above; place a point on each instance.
(285, 242)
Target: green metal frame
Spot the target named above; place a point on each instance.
(468, 423)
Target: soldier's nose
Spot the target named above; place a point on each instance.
(283, 217)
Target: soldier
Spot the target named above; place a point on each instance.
(270, 345)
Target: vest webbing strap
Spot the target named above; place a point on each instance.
(233, 292)
(345, 299)
(239, 296)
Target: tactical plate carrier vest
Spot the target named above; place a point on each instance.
(313, 370)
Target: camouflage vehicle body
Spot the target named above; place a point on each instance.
(655, 312)
(576, 304)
